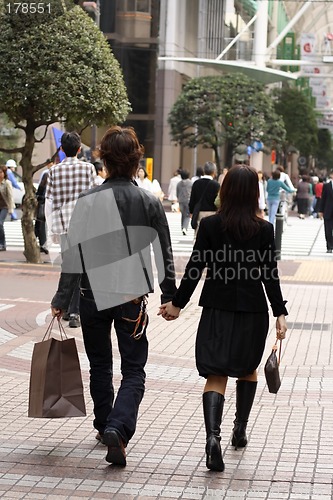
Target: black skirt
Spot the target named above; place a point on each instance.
(230, 343)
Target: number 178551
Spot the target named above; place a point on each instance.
(28, 8)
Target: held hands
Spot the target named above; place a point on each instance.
(169, 311)
(281, 327)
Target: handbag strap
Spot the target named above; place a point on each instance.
(275, 348)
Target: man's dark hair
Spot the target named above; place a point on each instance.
(199, 172)
(276, 175)
(184, 174)
(121, 152)
(98, 166)
(209, 168)
(70, 143)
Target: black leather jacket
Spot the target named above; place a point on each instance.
(133, 215)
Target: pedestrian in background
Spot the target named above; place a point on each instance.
(172, 191)
(262, 193)
(11, 167)
(65, 182)
(157, 190)
(40, 222)
(204, 192)
(198, 174)
(222, 175)
(184, 188)
(326, 211)
(6, 204)
(318, 190)
(274, 185)
(125, 207)
(142, 180)
(237, 247)
(101, 174)
(304, 196)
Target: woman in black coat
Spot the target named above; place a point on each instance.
(40, 223)
(237, 248)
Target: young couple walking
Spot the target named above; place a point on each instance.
(234, 322)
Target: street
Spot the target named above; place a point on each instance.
(300, 237)
(288, 455)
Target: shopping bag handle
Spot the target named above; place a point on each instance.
(63, 334)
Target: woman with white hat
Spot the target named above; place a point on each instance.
(6, 204)
(11, 164)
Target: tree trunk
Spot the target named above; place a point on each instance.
(31, 250)
(217, 158)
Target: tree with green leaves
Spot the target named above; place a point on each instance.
(231, 109)
(324, 151)
(300, 119)
(55, 66)
(9, 136)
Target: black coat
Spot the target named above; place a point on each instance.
(112, 228)
(206, 190)
(237, 272)
(326, 201)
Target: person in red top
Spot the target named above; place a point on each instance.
(318, 189)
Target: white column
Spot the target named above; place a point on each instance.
(260, 34)
(171, 32)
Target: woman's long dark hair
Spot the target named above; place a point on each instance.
(239, 196)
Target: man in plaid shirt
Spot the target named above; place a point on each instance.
(66, 181)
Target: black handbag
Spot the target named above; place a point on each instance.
(271, 369)
(40, 212)
(195, 215)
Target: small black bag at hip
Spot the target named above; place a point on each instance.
(271, 370)
(40, 215)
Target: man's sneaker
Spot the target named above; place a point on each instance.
(116, 450)
(74, 321)
(184, 232)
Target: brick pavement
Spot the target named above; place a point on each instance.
(289, 451)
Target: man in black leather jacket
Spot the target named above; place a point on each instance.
(112, 230)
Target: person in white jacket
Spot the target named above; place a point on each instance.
(143, 181)
(172, 191)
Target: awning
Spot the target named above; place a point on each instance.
(261, 74)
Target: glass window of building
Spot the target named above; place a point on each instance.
(134, 6)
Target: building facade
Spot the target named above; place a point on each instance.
(139, 31)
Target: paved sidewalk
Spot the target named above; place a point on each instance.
(289, 452)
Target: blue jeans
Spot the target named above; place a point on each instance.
(120, 414)
(3, 215)
(273, 206)
(13, 215)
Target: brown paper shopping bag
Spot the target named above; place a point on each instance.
(56, 388)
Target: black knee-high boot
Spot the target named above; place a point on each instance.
(245, 393)
(213, 407)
